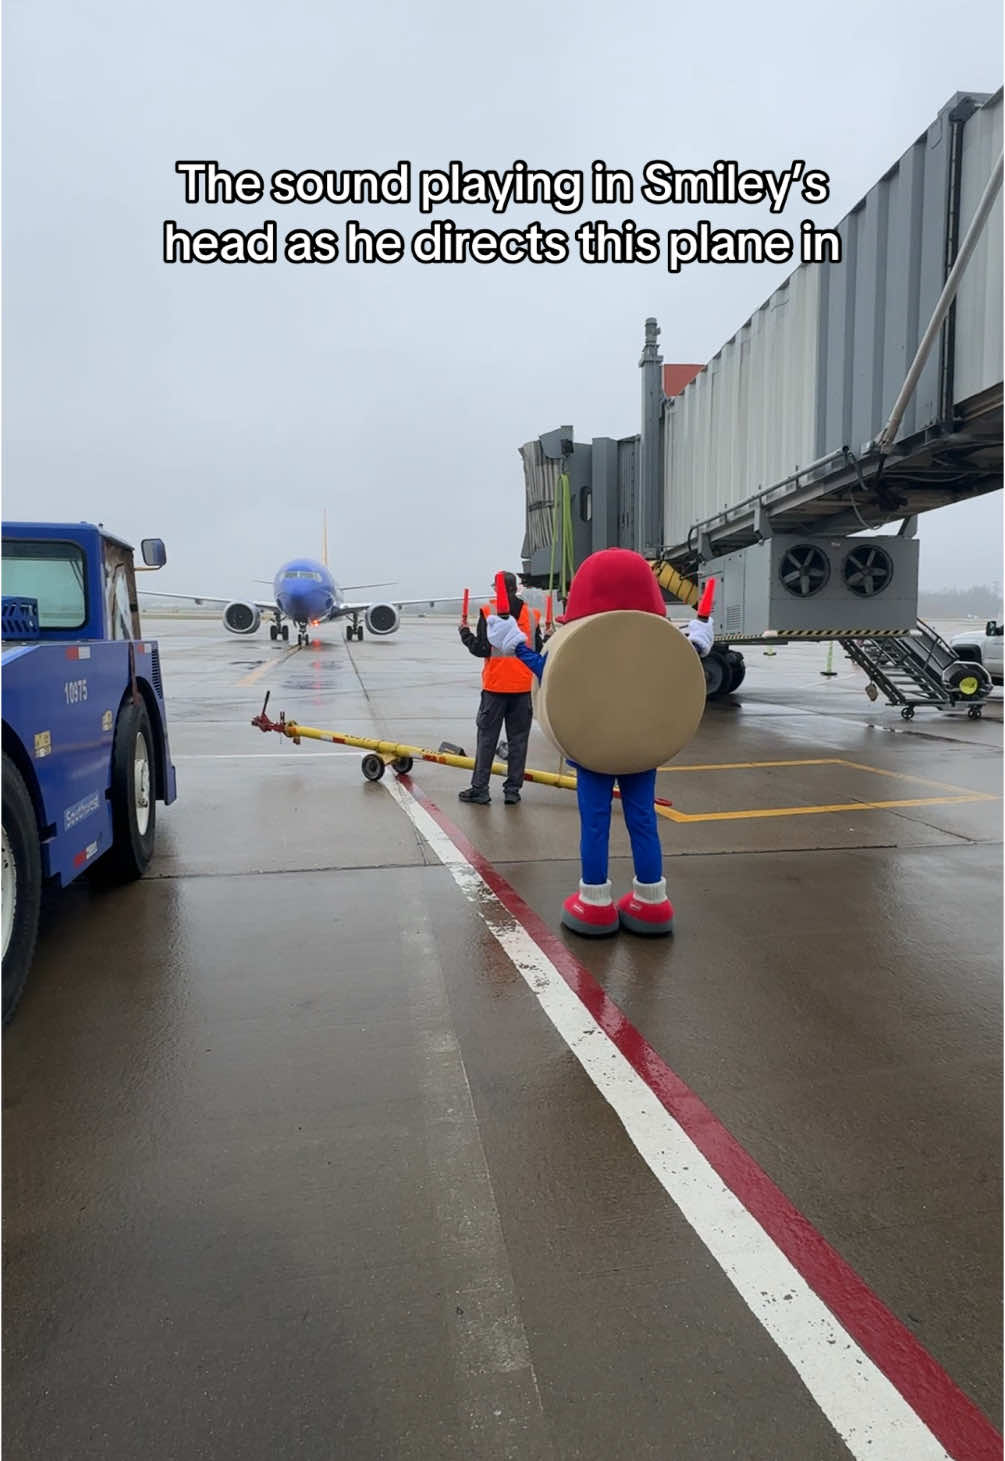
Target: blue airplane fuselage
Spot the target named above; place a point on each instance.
(306, 592)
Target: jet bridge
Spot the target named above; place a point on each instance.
(861, 394)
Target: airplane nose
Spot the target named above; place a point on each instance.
(299, 596)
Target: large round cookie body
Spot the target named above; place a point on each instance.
(621, 692)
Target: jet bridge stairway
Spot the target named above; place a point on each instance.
(920, 668)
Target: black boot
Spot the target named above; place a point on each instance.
(480, 798)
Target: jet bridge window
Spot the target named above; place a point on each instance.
(55, 574)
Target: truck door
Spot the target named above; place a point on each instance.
(121, 612)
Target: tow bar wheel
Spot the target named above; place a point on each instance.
(373, 767)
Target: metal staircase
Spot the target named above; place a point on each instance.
(920, 668)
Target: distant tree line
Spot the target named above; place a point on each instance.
(984, 600)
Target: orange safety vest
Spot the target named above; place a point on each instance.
(504, 674)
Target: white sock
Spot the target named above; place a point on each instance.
(650, 892)
(598, 895)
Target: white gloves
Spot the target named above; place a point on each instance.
(702, 636)
(504, 634)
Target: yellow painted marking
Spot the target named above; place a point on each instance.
(836, 761)
(270, 664)
(752, 765)
(673, 815)
(921, 780)
(960, 794)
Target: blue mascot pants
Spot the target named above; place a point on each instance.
(595, 793)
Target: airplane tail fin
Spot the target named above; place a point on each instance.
(324, 536)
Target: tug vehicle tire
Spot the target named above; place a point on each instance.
(22, 886)
(133, 795)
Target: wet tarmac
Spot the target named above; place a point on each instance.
(298, 1163)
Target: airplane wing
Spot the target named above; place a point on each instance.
(427, 603)
(202, 599)
(348, 588)
(401, 604)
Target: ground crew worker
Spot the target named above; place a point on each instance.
(506, 697)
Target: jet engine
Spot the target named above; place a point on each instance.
(241, 618)
(381, 619)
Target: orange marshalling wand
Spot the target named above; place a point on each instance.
(707, 600)
(502, 597)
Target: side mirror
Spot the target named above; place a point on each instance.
(154, 552)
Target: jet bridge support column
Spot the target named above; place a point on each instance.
(650, 484)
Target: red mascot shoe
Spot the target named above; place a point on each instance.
(646, 909)
(591, 911)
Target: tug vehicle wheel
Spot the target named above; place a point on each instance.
(737, 670)
(372, 767)
(134, 799)
(403, 765)
(717, 675)
(22, 886)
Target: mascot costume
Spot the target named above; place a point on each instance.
(619, 691)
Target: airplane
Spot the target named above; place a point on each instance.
(305, 593)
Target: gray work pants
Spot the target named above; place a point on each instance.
(517, 712)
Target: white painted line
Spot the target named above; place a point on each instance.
(867, 1411)
(497, 1394)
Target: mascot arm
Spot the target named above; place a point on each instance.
(701, 634)
(531, 658)
(506, 635)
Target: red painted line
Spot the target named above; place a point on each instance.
(949, 1414)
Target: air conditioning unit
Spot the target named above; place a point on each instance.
(802, 583)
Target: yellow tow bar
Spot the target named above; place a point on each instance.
(399, 757)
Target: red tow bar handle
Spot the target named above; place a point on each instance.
(263, 723)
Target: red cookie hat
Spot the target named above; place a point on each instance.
(614, 578)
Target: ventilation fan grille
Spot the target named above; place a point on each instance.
(804, 570)
(868, 570)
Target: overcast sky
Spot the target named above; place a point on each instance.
(222, 407)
